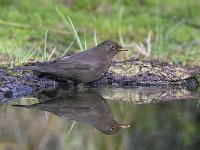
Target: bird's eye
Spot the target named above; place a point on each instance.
(113, 46)
(113, 129)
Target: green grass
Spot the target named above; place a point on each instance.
(52, 28)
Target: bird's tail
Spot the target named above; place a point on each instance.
(24, 106)
(24, 68)
(30, 66)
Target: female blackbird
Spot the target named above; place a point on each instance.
(81, 67)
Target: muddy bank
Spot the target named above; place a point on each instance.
(12, 87)
(121, 74)
(136, 72)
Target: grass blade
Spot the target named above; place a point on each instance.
(69, 24)
(68, 48)
(75, 34)
(28, 56)
(85, 40)
(63, 18)
(45, 46)
(95, 34)
(120, 27)
(72, 126)
(53, 51)
(95, 37)
(6, 51)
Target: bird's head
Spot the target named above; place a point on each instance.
(114, 128)
(111, 48)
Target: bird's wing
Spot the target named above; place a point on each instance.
(76, 63)
(62, 64)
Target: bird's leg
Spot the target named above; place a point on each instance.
(78, 85)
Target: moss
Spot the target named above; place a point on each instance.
(135, 68)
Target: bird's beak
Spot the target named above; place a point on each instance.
(123, 48)
(123, 126)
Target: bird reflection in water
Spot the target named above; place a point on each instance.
(85, 107)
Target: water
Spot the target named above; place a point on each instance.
(99, 118)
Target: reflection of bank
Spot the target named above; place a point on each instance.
(149, 94)
(85, 107)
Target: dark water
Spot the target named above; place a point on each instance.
(159, 118)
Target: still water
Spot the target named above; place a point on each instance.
(102, 118)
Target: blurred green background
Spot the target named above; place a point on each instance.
(28, 28)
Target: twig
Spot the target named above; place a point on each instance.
(25, 26)
(193, 25)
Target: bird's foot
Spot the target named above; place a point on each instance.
(79, 86)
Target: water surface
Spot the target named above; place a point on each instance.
(159, 118)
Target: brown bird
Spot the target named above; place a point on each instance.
(81, 67)
(86, 107)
